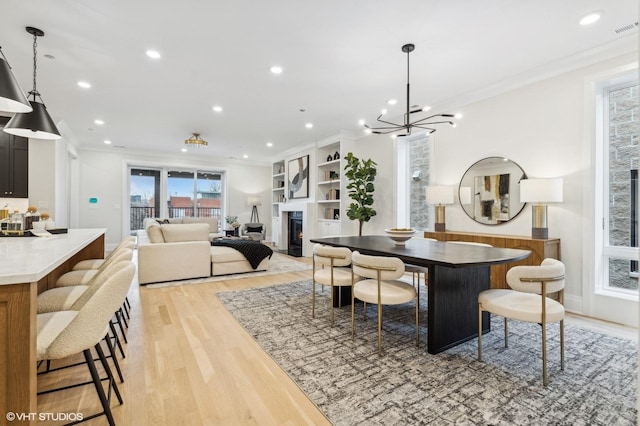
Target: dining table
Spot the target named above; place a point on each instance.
(457, 273)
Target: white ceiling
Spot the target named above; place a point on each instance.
(341, 58)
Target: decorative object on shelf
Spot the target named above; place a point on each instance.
(423, 123)
(12, 98)
(361, 175)
(232, 221)
(196, 141)
(31, 216)
(336, 156)
(15, 225)
(281, 169)
(493, 190)
(49, 224)
(329, 158)
(36, 124)
(299, 177)
(540, 192)
(439, 195)
(400, 235)
(254, 201)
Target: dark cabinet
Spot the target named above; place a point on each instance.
(14, 165)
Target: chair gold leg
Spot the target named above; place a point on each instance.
(353, 313)
(544, 353)
(313, 300)
(379, 329)
(562, 345)
(418, 313)
(479, 332)
(331, 304)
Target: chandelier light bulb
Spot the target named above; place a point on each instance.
(426, 108)
(458, 116)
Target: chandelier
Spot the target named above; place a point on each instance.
(196, 141)
(422, 123)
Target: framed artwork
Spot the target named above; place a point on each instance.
(298, 175)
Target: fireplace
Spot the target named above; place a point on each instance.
(295, 239)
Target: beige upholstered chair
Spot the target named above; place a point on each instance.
(128, 242)
(65, 333)
(416, 270)
(84, 276)
(381, 286)
(329, 269)
(256, 231)
(527, 301)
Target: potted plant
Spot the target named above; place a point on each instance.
(361, 174)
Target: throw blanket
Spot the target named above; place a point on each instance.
(253, 251)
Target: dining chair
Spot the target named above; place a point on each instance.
(88, 264)
(381, 285)
(417, 270)
(528, 301)
(330, 268)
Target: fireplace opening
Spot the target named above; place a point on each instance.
(295, 234)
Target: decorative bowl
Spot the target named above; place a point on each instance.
(400, 235)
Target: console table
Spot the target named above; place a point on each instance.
(540, 249)
(29, 265)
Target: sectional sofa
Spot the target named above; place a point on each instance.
(182, 250)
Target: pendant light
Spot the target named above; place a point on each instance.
(36, 124)
(12, 98)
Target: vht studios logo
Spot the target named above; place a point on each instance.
(54, 417)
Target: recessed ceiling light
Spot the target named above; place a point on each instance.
(183, 149)
(84, 84)
(269, 144)
(99, 122)
(153, 54)
(217, 108)
(392, 102)
(107, 142)
(590, 18)
(245, 156)
(308, 125)
(276, 69)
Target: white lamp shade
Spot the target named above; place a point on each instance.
(254, 200)
(439, 194)
(541, 191)
(465, 195)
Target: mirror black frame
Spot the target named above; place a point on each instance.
(468, 175)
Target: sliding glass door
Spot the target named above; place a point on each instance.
(144, 196)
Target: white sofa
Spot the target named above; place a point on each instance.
(214, 225)
(174, 251)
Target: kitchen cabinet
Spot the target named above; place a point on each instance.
(14, 165)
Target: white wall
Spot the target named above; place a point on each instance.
(540, 127)
(103, 175)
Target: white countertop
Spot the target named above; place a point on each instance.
(28, 259)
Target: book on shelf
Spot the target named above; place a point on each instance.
(333, 194)
(331, 175)
(333, 214)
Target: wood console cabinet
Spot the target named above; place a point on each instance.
(540, 249)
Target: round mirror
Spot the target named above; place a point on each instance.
(490, 190)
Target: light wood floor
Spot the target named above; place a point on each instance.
(189, 363)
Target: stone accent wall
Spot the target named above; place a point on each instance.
(624, 135)
(419, 155)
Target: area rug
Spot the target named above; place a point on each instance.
(351, 385)
(278, 264)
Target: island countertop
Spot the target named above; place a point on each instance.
(29, 259)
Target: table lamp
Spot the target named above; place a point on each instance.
(439, 195)
(540, 192)
(255, 201)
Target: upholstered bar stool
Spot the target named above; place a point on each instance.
(528, 301)
(332, 272)
(381, 286)
(84, 276)
(128, 242)
(66, 333)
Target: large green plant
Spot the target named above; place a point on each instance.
(361, 174)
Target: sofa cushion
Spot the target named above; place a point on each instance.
(254, 229)
(154, 233)
(211, 221)
(175, 220)
(220, 254)
(174, 233)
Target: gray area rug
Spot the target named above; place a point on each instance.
(278, 264)
(352, 385)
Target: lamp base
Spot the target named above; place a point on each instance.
(440, 227)
(540, 233)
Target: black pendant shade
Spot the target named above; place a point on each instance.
(36, 124)
(12, 98)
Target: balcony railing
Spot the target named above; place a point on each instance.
(137, 215)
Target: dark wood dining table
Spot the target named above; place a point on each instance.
(457, 273)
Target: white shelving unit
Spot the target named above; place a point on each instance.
(331, 195)
(278, 188)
